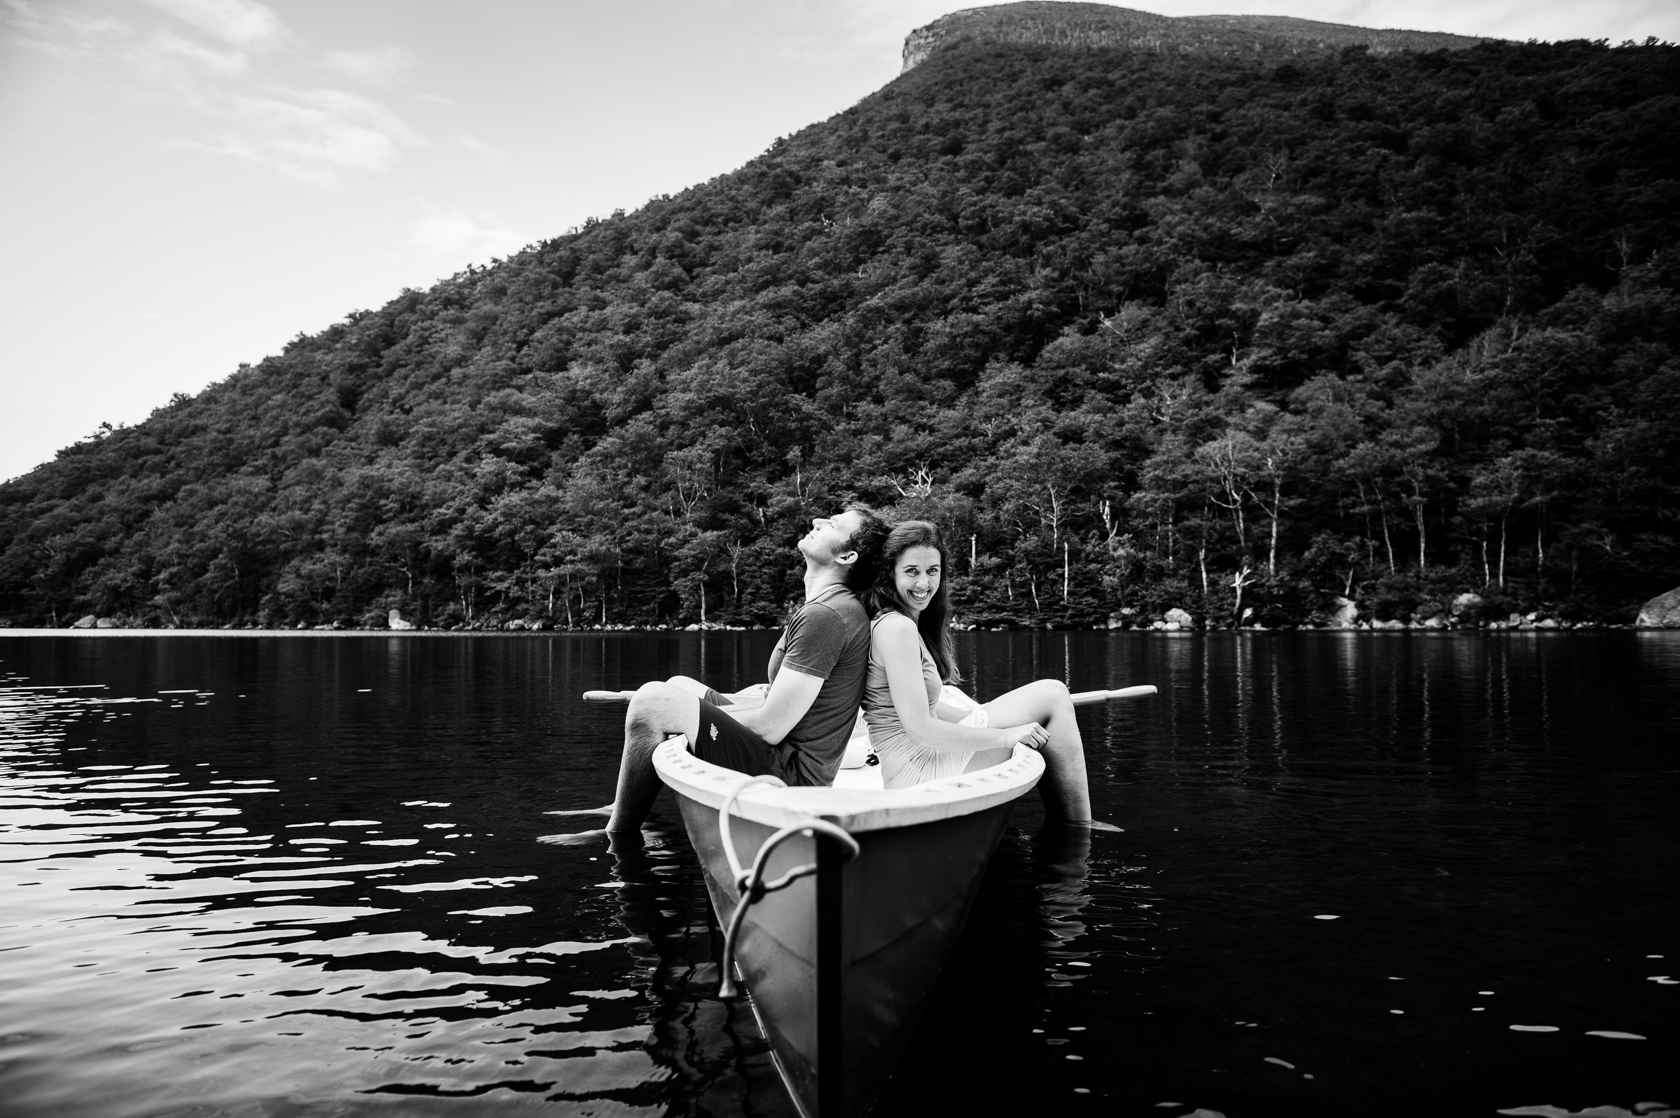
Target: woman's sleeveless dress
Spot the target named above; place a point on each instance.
(903, 763)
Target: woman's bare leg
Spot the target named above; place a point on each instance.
(986, 758)
(1067, 793)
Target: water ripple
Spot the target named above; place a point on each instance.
(302, 877)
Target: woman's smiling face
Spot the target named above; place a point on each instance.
(916, 577)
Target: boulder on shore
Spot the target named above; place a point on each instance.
(1346, 614)
(107, 623)
(394, 620)
(87, 622)
(1183, 619)
(1661, 612)
(1467, 603)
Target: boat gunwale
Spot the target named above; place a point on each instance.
(855, 809)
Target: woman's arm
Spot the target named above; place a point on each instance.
(945, 712)
(897, 646)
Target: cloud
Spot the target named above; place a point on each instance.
(242, 23)
(458, 236)
(179, 62)
(380, 66)
(474, 144)
(159, 55)
(224, 61)
(316, 136)
(59, 33)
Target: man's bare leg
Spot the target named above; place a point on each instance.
(748, 698)
(657, 710)
(691, 685)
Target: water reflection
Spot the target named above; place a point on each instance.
(711, 1047)
(1063, 856)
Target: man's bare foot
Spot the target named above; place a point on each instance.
(584, 811)
(576, 838)
(654, 835)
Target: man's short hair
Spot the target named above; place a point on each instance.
(866, 541)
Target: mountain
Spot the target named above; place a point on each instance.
(1225, 330)
(1104, 26)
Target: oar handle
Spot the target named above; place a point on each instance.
(1086, 698)
(1080, 698)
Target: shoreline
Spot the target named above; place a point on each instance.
(1360, 630)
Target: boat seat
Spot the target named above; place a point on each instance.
(860, 779)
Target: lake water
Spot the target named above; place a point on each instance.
(1414, 873)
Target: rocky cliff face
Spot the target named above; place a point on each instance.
(1102, 25)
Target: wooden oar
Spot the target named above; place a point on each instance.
(1081, 698)
(1086, 698)
(607, 696)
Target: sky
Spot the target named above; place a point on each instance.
(186, 185)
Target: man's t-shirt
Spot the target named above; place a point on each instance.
(827, 638)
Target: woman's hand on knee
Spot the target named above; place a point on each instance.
(1032, 735)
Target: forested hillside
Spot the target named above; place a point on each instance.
(1136, 325)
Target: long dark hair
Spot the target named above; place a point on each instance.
(936, 634)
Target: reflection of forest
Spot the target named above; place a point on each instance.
(1022, 940)
(1144, 330)
(715, 1058)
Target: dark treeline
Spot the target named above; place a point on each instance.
(1142, 329)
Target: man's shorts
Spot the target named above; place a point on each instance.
(724, 741)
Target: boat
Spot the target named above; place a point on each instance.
(875, 887)
(842, 904)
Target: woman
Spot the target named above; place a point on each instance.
(919, 738)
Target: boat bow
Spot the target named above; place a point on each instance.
(840, 962)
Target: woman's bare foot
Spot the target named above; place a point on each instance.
(1093, 825)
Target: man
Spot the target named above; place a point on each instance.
(816, 680)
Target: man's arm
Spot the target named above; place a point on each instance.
(791, 695)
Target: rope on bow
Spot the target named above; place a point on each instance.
(750, 883)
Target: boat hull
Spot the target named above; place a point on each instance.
(903, 901)
(840, 963)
